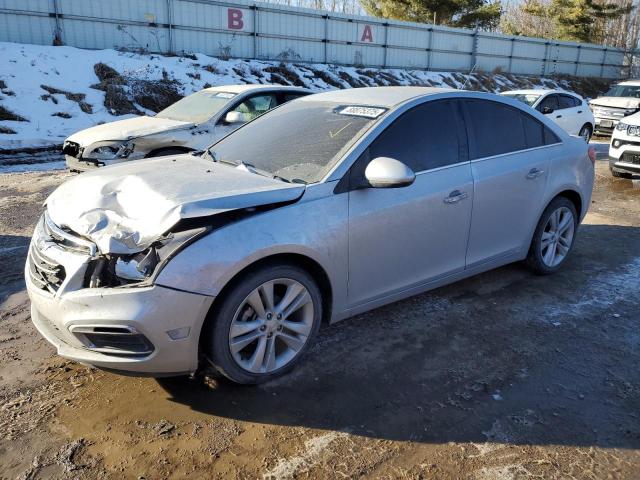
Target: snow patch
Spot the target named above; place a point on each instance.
(313, 450)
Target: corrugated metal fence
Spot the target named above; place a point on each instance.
(245, 29)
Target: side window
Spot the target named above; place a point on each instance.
(425, 137)
(567, 101)
(255, 106)
(496, 128)
(550, 101)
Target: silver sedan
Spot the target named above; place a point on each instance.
(325, 207)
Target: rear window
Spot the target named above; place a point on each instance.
(498, 129)
(567, 101)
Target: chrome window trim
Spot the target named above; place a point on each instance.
(482, 159)
(444, 167)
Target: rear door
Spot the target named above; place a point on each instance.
(552, 102)
(403, 237)
(568, 111)
(509, 164)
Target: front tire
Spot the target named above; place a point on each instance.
(618, 174)
(164, 152)
(554, 237)
(265, 324)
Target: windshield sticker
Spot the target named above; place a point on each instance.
(224, 95)
(360, 111)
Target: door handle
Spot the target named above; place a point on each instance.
(534, 173)
(455, 197)
(579, 111)
(558, 116)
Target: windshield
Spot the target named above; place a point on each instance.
(197, 108)
(624, 91)
(528, 98)
(299, 141)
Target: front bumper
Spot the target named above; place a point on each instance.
(605, 125)
(83, 164)
(619, 165)
(152, 311)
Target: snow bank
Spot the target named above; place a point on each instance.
(53, 89)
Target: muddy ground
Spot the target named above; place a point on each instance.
(502, 376)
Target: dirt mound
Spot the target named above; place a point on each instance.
(125, 94)
(74, 97)
(9, 115)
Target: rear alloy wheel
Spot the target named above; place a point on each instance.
(554, 237)
(585, 132)
(265, 324)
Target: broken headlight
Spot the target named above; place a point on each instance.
(110, 150)
(141, 267)
(138, 267)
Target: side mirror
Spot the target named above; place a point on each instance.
(384, 172)
(547, 110)
(235, 117)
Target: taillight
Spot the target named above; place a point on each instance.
(592, 155)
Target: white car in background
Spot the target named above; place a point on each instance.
(191, 123)
(624, 150)
(568, 110)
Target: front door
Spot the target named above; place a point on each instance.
(403, 237)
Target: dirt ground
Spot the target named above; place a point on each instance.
(502, 376)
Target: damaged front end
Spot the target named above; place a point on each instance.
(59, 260)
(141, 268)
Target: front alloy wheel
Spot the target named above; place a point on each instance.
(271, 326)
(265, 323)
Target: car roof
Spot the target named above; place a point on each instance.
(541, 91)
(247, 88)
(380, 96)
(633, 83)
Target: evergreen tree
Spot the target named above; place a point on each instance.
(576, 20)
(484, 14)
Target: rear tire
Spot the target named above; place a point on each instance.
(586, 132)
(554, 237)
(264, 324)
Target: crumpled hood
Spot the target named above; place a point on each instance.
(125, 208)
(619, 102)
(126, 129)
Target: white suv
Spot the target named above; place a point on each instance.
(621, 100)
(624, 150)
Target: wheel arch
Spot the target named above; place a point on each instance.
(305, 262)
(574, 197)
(587, 124)
(155, 152)
(570, 194)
